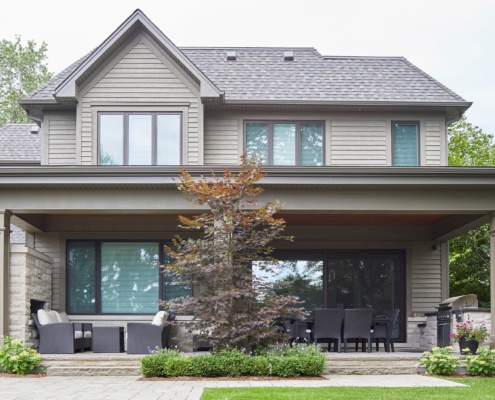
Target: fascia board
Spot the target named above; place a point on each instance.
(385, 176)
(350, 103)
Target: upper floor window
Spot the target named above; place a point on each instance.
(152, 138)
(285, 143)
(405, 138)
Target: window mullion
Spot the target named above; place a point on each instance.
(298, 143)
(98, 277)
(154, 139)
(270, 143)
(161, 282)
(126, 138)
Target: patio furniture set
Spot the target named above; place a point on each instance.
(336, 325)
(57, 335)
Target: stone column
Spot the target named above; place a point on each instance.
(492, 279)
(4, 272)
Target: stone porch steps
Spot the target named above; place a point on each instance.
(90, 364)
(122, 364)
(372, 364)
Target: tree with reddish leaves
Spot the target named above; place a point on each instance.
(232, 306)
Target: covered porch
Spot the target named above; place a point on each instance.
(408, 213)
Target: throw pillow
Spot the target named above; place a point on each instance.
(52, 316)
(160, 318)
(43, 318)
(62, 317)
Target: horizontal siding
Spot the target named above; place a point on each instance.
(358, 142)
(433, 143)
(426, 278)
(221, 141)
(61, 141)
(140, 78)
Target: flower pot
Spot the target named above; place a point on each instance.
(472, 345)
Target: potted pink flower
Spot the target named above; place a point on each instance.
(470, 336)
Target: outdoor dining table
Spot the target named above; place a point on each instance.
(374, 321)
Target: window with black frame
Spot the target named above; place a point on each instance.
(343, 279)
(361, 279)
(117, 277)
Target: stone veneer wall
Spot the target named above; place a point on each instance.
(421, 338)
(425, 338)
(30, 278)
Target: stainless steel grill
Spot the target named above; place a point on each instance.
(446, 308)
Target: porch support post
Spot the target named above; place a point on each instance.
(492, 280)
(4, 272)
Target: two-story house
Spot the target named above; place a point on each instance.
(356, 148)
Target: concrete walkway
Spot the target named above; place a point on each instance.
(127, 387)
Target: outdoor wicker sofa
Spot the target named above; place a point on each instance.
(66, 337)
(145, 337)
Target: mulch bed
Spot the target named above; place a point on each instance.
(240, 378)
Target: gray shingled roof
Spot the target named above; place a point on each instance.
(45, 91)
(19, 145)
(261, 74)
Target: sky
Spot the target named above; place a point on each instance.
(451, 40)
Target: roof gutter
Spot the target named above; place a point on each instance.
(347, 176)
(351, 103)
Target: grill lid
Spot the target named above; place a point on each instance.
(466, 300)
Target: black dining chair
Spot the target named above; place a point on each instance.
(328, 326)
(380, 331)
(301, 331)
(357, 326)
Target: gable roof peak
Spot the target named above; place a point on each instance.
(66, 90)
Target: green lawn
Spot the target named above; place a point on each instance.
(479, 388)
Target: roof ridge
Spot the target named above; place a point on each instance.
(244, 47)
(372, 57)
(433, 80)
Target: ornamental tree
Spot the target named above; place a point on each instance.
(231, 306)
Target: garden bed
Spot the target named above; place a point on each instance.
(281, 362)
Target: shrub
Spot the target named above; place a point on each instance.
(178, 366)
(284, 361)
(300, 359)
(15, 358)
(154, 364)
(439, 361)
(257, 366)
(206, 366)
(482, 364)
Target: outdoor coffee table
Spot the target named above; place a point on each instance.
(108, 339)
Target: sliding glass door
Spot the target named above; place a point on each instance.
(344, 279)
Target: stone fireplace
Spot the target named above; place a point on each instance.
(30, 288)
